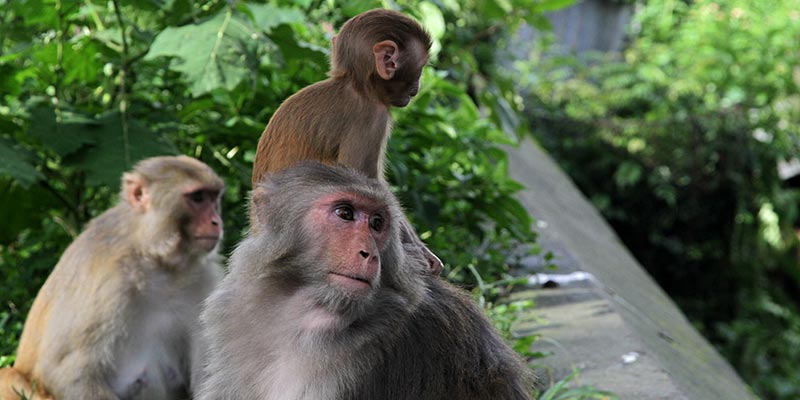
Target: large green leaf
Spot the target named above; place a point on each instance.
(115, 152)
(352, 8)
(64, 139)
(268, 16)
(210, 51)
(80, 58)
(23, 207)
(16, 164)
(293, 49)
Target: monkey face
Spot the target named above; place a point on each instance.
(204, 223)
(400, 93)
(405, 84)
(351, 231)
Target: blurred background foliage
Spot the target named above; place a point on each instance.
(677, 142)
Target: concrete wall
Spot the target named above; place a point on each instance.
(609, 317)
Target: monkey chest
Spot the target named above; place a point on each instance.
(152, 359)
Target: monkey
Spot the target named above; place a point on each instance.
(376, 63)
(15, 386)
(324, 302)
(119, 314)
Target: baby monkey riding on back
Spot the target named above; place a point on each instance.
(376, 64)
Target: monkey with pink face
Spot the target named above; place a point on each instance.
(324, 302)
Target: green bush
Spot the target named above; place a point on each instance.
(677, 143)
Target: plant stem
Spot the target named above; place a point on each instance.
(123, 90)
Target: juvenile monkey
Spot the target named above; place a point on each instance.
(324, 303)
(376, 64)
(118, 316)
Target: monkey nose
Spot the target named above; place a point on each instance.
(364, 254)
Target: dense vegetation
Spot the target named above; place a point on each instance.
(677, 142)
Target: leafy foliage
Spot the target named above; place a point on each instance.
(677, 144)
(562, 391)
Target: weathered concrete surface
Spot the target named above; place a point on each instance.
(619, 327)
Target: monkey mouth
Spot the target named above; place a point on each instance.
(206, 242)
(353, 284)
(353, 277)
(207, 238)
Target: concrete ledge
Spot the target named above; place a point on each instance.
(619, 326)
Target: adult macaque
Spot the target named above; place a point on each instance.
(376, 63)
(118, 316)
(323, 302)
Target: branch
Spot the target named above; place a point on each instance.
(123, 95)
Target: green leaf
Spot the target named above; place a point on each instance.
(269, 16)
(352, 8)
(628, 174)
(211, 51)
(552, 5)
(494, 8)
(114, 153)
(293, 49)
(38, 12)
(78, 68)
(540, 22)
(30, 205)
(64, 139)
(15, 164)
(432, 19)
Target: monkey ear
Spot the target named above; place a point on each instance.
(260, 199)
(333, 42)
(136, 191)
(386, 56)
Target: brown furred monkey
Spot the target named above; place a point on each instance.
(376, 63)
(324, 303)
(118, 317)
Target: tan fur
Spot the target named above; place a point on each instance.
(132, 273)
(327, 122)
(16, 386)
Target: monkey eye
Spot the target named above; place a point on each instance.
(376, 223)
(344, 212)
(196, 197)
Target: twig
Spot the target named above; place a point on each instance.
(123, 95)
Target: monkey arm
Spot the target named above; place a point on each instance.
(80, 330)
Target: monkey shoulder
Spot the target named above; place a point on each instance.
(457, 349)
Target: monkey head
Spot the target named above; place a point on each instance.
(333, 234)
(383, 51)
(177, 204)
